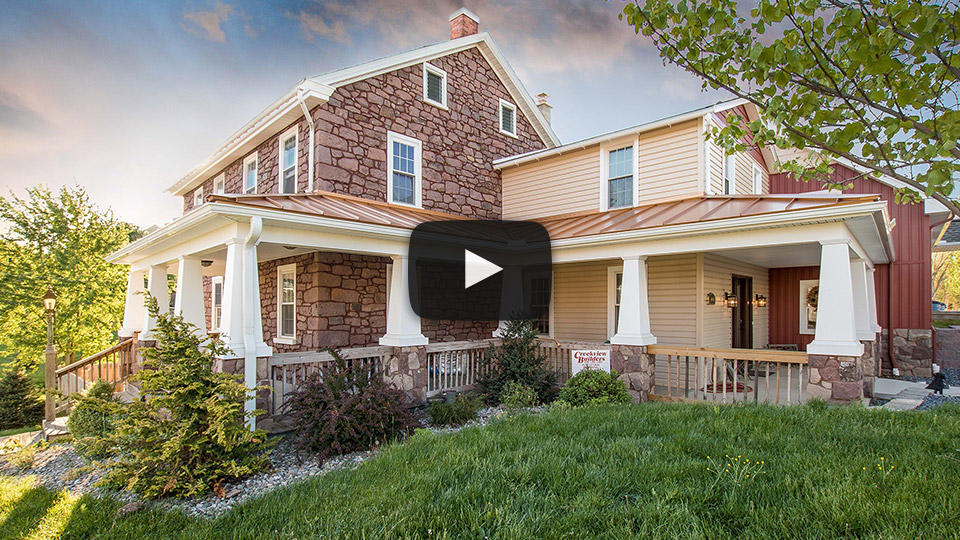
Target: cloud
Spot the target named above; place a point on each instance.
(207, 24)
(314, 25)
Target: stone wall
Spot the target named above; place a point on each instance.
(636, 368)
(406, 370)
(835, 379)
(913, 351)
(460, 142)
(948, 347)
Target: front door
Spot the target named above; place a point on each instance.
(742, 313)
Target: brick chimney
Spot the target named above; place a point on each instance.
(544, 106)
(463, 23)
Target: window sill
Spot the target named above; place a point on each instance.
(436, 104)
(408, 205)
(507, 133)
(285, 340)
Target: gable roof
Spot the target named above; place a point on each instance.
(949, 237)
(316, 90)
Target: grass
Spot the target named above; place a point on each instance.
(14, 431)
(607, 472)
(946, 323)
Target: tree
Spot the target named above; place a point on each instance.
(60, 240)
(871, 81)
(946, 278)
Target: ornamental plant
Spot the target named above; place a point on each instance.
(345, 409)
(20, 400)
(463, 409)
(93, 419)
(188, 437)
(594, 387)
(518, 361)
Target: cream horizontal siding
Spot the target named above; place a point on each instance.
(718, 272)
(580, 300)
(554, 186)
(672, 289)
(669, 162)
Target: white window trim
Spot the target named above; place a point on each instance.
(612, 272)
(220, 184)
(243, 173)
(214, 321)
(732, 158)
(286, 340)
(417, 168)
(198, 196)
(805, 285)
(757, 179)
(295, 133)
(430, 68)
(708, 156)
(605, 149)
(504, 103)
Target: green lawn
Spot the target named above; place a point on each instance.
(610, 472)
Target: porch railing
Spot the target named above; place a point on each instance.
(456, 365)
(288, 371)
(730, 375)
(114, 365)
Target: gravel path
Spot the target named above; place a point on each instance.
(934, 401)
(60, 467)
(952, 377)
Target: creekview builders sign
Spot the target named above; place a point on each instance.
(589, 359)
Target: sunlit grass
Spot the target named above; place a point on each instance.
(609, 472)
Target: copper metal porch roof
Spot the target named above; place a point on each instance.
(660, 214)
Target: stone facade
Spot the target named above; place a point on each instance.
(406, 370)
(913, 351)
(835, 379)
(948, 347)
(460, 142)
(636, 368)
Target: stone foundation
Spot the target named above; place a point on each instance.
(869, 365)
(948, 347)
(406, 370)
(836, 379)
(913, 351)
(636, 368)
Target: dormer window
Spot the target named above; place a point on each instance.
(288, 161)
(508, 118)
(404, 179)
(198, 197)
(434, 85)
(219, 184)
(250, 173)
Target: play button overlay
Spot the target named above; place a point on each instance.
(479, 270)
(476, 268)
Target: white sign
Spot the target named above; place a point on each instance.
(598, 360)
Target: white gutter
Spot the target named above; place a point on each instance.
(309, 117)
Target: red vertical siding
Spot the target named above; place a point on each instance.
(909, 298)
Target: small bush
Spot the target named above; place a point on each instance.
(189, 436)
(559, 406)
(518, 396)
(93, 419)
(593, 387)
(517, 361)
(463, 409)
(22, 459)
(21, 403)
(346, 410)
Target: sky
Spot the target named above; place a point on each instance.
(124, 97)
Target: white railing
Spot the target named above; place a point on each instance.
(114, 365)
(456, 365)
(288, 371)
(730, 375)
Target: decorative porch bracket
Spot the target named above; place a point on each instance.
(633, 327)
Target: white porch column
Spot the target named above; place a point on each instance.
(872, 301)
(134, 308)
(189, 301)
(861, 307)
(253, 345)
(403, 325)
(157, 287)
(836, 332)
(231, 324)
(633, 327)
(511, 297)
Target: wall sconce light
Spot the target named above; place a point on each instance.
(711, 299)
(206, 263)
(731, 299)
(761, 301)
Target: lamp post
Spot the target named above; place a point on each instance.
(50, 373)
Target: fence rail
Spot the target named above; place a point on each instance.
(114, 365)
(456, 365)
(731, 375)
(289, 371)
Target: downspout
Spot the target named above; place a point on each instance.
(250, 283)
(309, 117)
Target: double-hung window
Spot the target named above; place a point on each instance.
(219, 184)
(757, 179)
(508, 118)
(288, 161)
(540, 301)
(729, 175)
(216, 313)
(619, 177)
(614, 289)
(198, 197)
(434, 85)
(287, 303)
(250, 173)
(404, 179)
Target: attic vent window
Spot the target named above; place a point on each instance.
(434, 85)
(508, 118)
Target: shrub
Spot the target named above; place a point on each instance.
(347, 409)
(93, 419)
(518, 396)
(517, 361)
(23, 458)
(188, 437)
(21, 403)
(593, 387)
(463, 409)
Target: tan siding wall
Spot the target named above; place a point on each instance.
(560, 185)
(672, 286)
(718, 274)
(580, 300)
(669, 162)
(744, 171)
